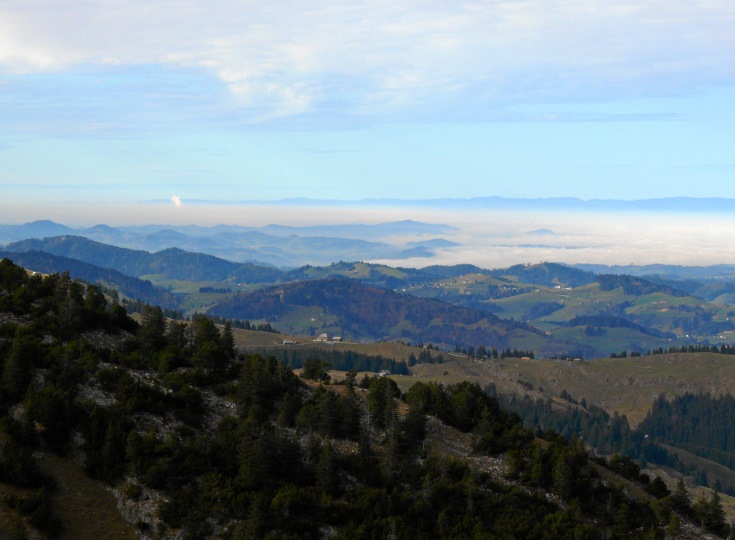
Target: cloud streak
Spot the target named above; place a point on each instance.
(383, 59)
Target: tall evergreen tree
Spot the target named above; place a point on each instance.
(152, 333)
(18, 367)
(680, 500)
(228, 341)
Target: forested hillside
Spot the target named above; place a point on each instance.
(132, 287)
(698, 423)
(548, 274)
(220, 444)
(359, 312)
(172, 263)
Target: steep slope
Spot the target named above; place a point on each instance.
(131, 287)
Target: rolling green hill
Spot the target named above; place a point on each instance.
(354, 311)
(606, 313)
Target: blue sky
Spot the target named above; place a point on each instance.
(121, 102)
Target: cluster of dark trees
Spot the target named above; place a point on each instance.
(596, 323)
(219, 290)
(236, 323)
(138, 306)
(291, 460)
(341, 360)
(541, 309)
(426, 356)
(494, 354)
(722, 349)
(696, 423)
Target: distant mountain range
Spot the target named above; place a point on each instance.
(670, 204)
(277, 245)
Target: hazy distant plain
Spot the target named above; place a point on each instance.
(488, 237)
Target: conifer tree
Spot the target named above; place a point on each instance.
(152, 331)
(680, 500)
(228, 341)
(326, 469)
(17, 370)
(714, 515)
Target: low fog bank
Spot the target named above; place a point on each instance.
(500, 239)
(488, 239)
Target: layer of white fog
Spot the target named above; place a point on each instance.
(489, 239)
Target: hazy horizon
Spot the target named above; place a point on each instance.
(488, 239)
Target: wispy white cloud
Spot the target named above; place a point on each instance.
(381, 58)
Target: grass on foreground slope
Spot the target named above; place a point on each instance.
(626, 385)
(246, 339)
(86, 509)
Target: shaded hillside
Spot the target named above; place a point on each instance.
(253, 273)
(698, 423)
(366, 312)
(172, 263)
(635, 286)
(380, 275)
(127, 261)
(548, 274)
(610, 321)
(376, 275)
(131, 287)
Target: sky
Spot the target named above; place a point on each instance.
(108, 105)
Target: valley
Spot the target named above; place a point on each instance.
(587, 353)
